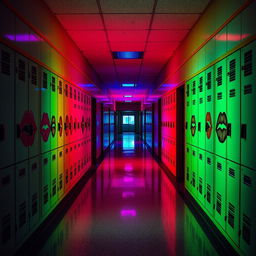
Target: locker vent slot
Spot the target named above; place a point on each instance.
(33, 75)
(219, 76)
(231, 215)
(5, 63)
(74, 94)
(248, 89)
(188, 150)
(219, 96)
(6, 180)
(60, 87)
(53, 84)
(200, 185)
(193, 179)
(34, 166)
(194, 102)
(247, 180)
(246, 229)
(193, 152)
(70, 92)
(208, 194)
(66, 90)
(22, 214)
(44, 80)
(218, 203)
(66, 178)
(6, 228)
(22, 172)
(231, 172)
(46, 196)
(209, 161)
(34, 204)
(248, 63)
(219, 166)
(209, 98)
(60, 181)
(187, 91)
(21, 70)
(200, 156)
(232, 70)
(200, 88)
(200, 100)
(232, 93)
(209, 80)
(194, 88)
(54, 188)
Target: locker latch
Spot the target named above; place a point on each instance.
(229, 129)
(2, 132)
(243, 131)
(199, 126)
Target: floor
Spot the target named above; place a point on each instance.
(128, 207)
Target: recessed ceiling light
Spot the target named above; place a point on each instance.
(127, 96)
(127, 101)
(128, 85)
(127, 55)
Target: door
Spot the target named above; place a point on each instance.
(128, 123)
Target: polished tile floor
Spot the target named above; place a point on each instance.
(128, 207)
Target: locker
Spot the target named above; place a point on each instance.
(220, 166)
(54, 111)
(71, 113)
(194, 112)
(34, 192)
(71, 166)
(66, 168)
(61, 173)
(66, 113)
(7, 213)
(248, 211)
(54, 177)
(233, 201)
(21, 201)
(233, 107)
(194, 171)
(6, 113)
(60, 118)
(22, 115)
(46, 183)
(248, 108)
(188, 112)
(34, 107)
(201, 177)
(209, 182)
(209, 110)
(221, 118)
(201, 110)
(45, 123)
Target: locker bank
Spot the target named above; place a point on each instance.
(127, 127)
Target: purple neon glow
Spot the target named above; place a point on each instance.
(128, 179)
(128, 213)
(128, 167)
(23, 38)
(128, 194)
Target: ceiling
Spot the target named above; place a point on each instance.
(99, 27)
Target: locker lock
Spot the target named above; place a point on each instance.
(229, 129)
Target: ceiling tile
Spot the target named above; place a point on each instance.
(86, 35)
(161, 46)
(127, 36)
(127, 46)
(174, 21)
(74, 6)
(167, 35)
(125, 6)
(89, 46)
(81, 21)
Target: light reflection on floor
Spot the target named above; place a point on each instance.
(129, 207)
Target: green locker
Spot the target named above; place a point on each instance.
(22, 123)
(233, 107)
(209, 110)
(61, 173)
(7, 213)
(221, 119)
(220, 167)
(188, 112)
(21, 201)
(248, 211)
(188, 167)
(54, 177)
(194, 112)
(6, 113)
(194, 171)
(45, 183)
(233, 201)
(248, 105)
(54, 111)
(34, 108)
(201, 177)
(209, 182)
(45, 123)
(34, 192)
(201, 110)
(60, 119)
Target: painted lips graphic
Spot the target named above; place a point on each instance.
(45, 127)
(208, 125)
(193, 125)
(221, 127)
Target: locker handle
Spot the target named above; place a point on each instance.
(2, 132)
(199, 126)
(229, 129)
(243, 131)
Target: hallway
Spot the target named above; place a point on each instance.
(128, 207)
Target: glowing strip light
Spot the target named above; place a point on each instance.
(128, 85)
(127, 96)
(127, 55)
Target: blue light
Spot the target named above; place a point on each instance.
(127, 55)
(128, 85)
(127, 96)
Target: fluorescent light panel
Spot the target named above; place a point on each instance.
(128, 85)
(127, 96)
(127, 55)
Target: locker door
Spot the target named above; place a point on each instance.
(60, 118)
(54, 111)
(77, 110)
(201, 110)
(71, 113)
(54, 177)
(220, 166)
(233, 201)
(45, 123)
(194, 112)
(46, 183)
(248, 108)
(22, 115)
(188, 111)
(21, 201)
(66, 114)
(7, 213)
(194, 171)
(6, 113)
(209, 110)
(34, 108)
(233, 107)
(66, 168)
(61, 173)
(34, 191)
(248, 211)
(221, 118)
(201, 177)
(71, 165)
(209, 182)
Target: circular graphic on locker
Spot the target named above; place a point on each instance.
(45, 127)
(53, 126)
(71, 125)
(66, 125)
(193, 125)
(208, 125)
(60, 126)
(221, 127)
(82, 125)
(27, 129)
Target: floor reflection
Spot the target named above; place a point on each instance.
(129, 207)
